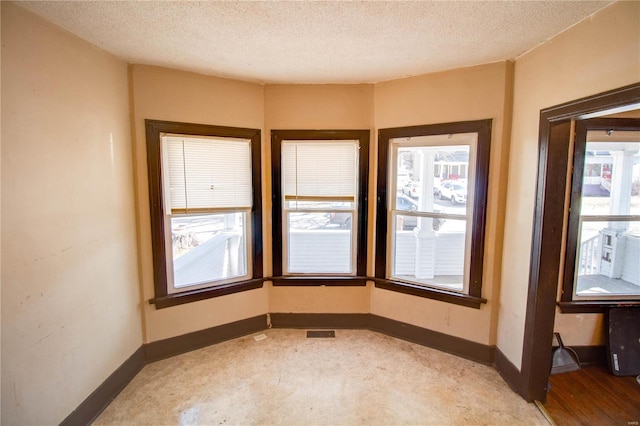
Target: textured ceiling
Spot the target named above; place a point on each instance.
(315, 41)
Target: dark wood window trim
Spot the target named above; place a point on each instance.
(594, 306)
(567, 304)
(277, 137)
(205, 293)
(554, 133)
(430, 293)
(154, 129)
(483, 129)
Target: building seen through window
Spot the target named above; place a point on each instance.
(430, 236)
(607, 216)
(432, 192)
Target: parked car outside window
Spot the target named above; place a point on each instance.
(412, 189)
(454, 191)
(410, 222)
(406, 203)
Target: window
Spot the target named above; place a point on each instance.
(603, 236)
(204, 191)
(319, 183)
(430, 226)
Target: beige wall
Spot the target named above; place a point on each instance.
(318, 107)
(165, 94)
(475, 93)
(70, 298)
(72, 289)
(599, 54)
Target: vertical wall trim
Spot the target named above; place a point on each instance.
(554, 130)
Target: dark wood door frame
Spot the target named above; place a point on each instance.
(553, 152)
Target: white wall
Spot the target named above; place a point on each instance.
(599, 54)
(70, 294)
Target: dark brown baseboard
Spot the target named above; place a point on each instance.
(173, 346)
(99, 399)
(348, 321)
(443, 342)
(509, 372)
(91, 408)
(590, 355)
(422, 336)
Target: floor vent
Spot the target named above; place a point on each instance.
(321, 333)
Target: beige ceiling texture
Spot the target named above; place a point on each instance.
(315, 41)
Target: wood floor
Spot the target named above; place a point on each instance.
(593, 396)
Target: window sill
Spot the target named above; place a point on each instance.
(205, 293)
(595, 306)
(316, 281)
(430, 293)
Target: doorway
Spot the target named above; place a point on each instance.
(549, 221)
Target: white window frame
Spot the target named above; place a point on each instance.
(294, 198)
(433, 141)
(197, 212)
(586, 132)
(359, 221)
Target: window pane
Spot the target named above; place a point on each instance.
(611, 180)
(320, 242)
(608, 260)
(319, 185)
(431, 255)
(208, 248)
(434, 177)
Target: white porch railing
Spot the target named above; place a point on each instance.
(588, 262)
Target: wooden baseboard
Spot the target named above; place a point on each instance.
(454, 345)
(590, 355)
(99, 399)
(509, 372)
(91, 408)
(173, 346)
(422, 336)
(344, 321)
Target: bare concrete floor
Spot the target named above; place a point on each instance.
(358, 377)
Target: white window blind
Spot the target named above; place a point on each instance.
(316, 170)
(204, 174)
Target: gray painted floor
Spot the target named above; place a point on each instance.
(358, 377)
